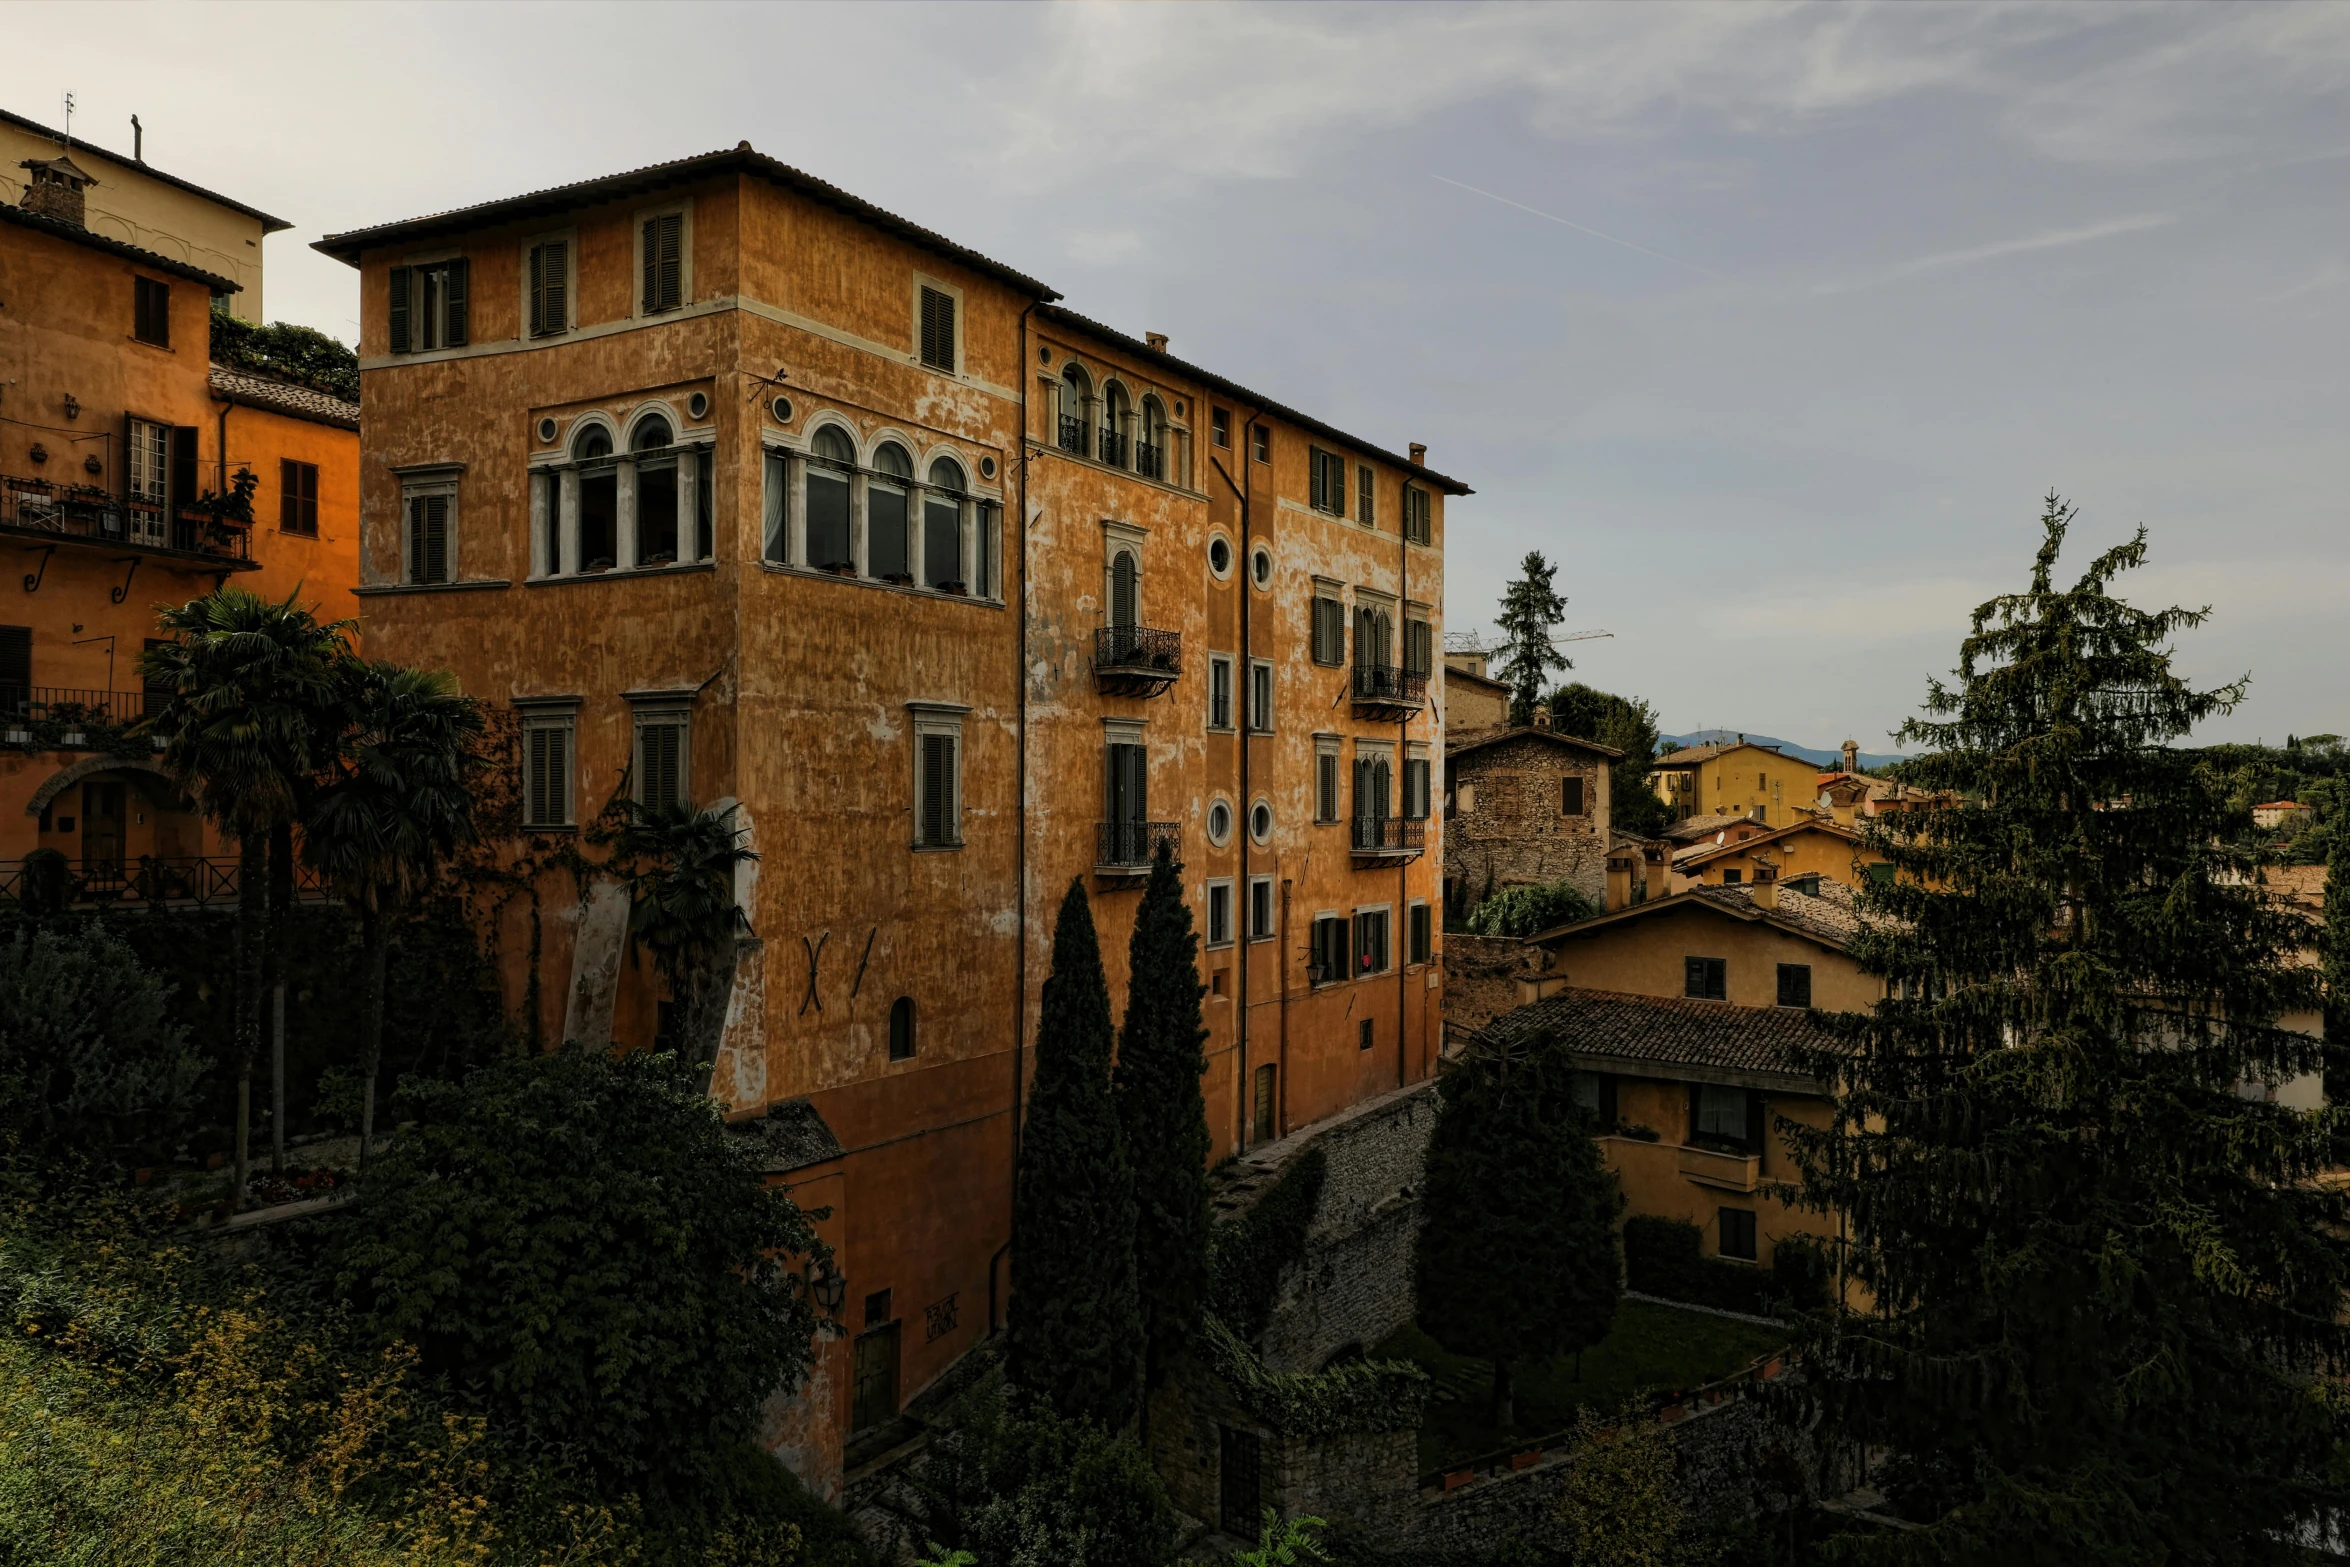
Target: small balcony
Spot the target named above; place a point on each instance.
(39, 511)
(1127, 848)
(1388, 692)
(60, 718)
(1136, 660)
(1388, 840)
(144, 882)
(1113, 447)
(1150, 461)
(1721, 1169)
(1075, 436)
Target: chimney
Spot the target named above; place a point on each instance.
(54, 189)
(1764, 889)
(1419, 454)
(1542, 715)
(1157, 340)
(1852, 756)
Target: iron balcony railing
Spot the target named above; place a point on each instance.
(1150, 461)
(1138, 647)
(1387, 683)
(1131, 845)
(1390, 835)
(1113, 447)
(73, 511)
(1074, 435)
(142, 881)
(65, 705)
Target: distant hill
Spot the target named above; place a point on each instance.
(1868, 759)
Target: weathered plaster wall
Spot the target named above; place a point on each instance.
(1645, 956)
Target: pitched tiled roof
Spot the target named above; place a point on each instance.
(1467, 740)
(739, 159)
(283, 397)
(269, 225)
(1606, 1030)
(1692, 755)
(1700, 851)
(1697, 827)
(115, 247)
(791, 1136)
(1829, 914)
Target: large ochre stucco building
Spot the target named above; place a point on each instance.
(724, 485)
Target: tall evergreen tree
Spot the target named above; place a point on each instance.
(1076, 1328)
(1518, 1257)
(1530, 607)
(2334, 968)
(2103, 1281)
(1165, 1121)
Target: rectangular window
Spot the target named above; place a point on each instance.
(1326, 479)
(1326, 784)
(1370, 944)
(1260, 908)
(1219, 691)
(1737, 1238)
(1732, 876)
(886, 552)
(938, 778)
(1260, 443)
(297, 497)
(661, 758)
(942, 541)
(1705, 979)
(1329, 630)
(1422, 934)
(431, 306)
(1219, 914)
(938, 329)
(1795, 984)
(1415, 788)
(828, 517)
(1366, 1036)
(987, 585)
(549, 275)
(1220, 426)
(429, 518)
(1419, 647)
(1260, 695)
(16, 668)
(1326, 960)
(547, 743)
(1415, 514)
(663, 242)
(1240, 1464)
(1721, 1114)
(777, 473)
(1366, 508)
(151, 311)
(875, 1378)
(1570, 796)
(1262, 1128)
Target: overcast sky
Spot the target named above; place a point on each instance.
(1770, 324)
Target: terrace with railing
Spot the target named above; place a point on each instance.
(1385, 690)
(146, 881)
(25, 705)
(1389, 838)
(1127, 847)
(1136, 660)
(49, 512)
(1074, 436)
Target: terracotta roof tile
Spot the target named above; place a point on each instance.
(115, 247)
(1600, 1027)
(300, 402)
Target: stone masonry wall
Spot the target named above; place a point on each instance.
(1480, 979)
(1504, 827)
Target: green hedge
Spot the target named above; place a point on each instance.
(1663, 1257)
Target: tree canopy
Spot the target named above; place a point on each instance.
(1530, 608)
(1629, 725)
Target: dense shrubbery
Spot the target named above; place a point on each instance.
(1663, 1257)
(1528, 911)
(1248, 1254)
(286, 352)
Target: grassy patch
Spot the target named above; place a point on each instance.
(1652, 1347)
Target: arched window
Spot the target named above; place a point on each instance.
(656, 492)
(1150, 440)
(595, 441)
(942, 526)
(1125, 590)
(831, 459)
(886, 552)
(599, 500)
(1117, 425)
(1076, 410)
(901, 1029)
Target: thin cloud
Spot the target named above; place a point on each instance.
(1580, 229)
(1951, 260)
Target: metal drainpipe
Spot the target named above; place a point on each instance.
(1403, 746)
(1245, 565)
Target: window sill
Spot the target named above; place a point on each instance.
(1055, 449)
(1224, 729)
(623, 573)
(939, 848)
(477, 585)
(936, 595)
(550, 829)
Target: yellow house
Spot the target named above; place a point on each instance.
(1736, 778)
(1806, 847)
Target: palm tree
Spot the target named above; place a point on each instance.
(398, 804)
(682, 909)
(248, 718)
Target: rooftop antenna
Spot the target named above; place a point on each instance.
(138, 141)
(69, 122)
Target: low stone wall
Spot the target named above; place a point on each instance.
(1480, 979)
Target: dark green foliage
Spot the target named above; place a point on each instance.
(1163, 1118)
(1250, 1252)
(682, 910)
(2104, 1280)
(1353, 1395)
(581, 1248)
(45, 883)
(1076, 1319)
(93, 1070)
(1530, 607)
(1628, 724)
(1018, 1486)
(2334, 970)
(286, 352)
(1529, 911)
(1664, 1257)
(1517, 1257)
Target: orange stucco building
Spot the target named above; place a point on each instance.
(728, 487)
(115, 429)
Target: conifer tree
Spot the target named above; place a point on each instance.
(2334, 969)
(1518, 1257)
(1076, 1325)
(2102, 1281)
(1530, 607)
(1165, 1121)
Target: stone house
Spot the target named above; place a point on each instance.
(1524, 807)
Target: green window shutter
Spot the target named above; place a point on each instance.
(458, 279)
(184, 487)
(664, 238)
(403, 282)
(16, 664)
(289, 496)
(538, 290)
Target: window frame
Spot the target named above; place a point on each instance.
(1417, 781)
(1325, 481)
(439, 482)
(558, 714)
(1329, 927)
(1366, 495)
(1329, 781)
(296, 502)
(449, 329)
(144, 312)
(1208, 893)
(568, 238)
(1362, 922)
(926, 720)
(1270, 926)
(1260, 443)
(684, 212)
(1710, 983)
(913, 1030)
(1419, 934)
(1231, 821)
(658, 710)
(1220, 693)
(1574, 795)
(954, 298)
(1419, 513)
(1259, 713)
(1332, 594)
(1749, 1235)
(1220, 426)
(1801, 975)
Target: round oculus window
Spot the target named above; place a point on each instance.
(1260, 566)
(546, 432)
(1220, 556)
(1044, 356)
(697, 406)
(1260, 822)
(1219, 824)
(987, 467)
(781, 408)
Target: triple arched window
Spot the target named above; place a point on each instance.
(613, 504)
(1109, 426)
(884, 517)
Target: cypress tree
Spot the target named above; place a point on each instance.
(1076, 1325)
(1518, 1257)
(2334, 967)
(1165, 1121)
(2102, 1282)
